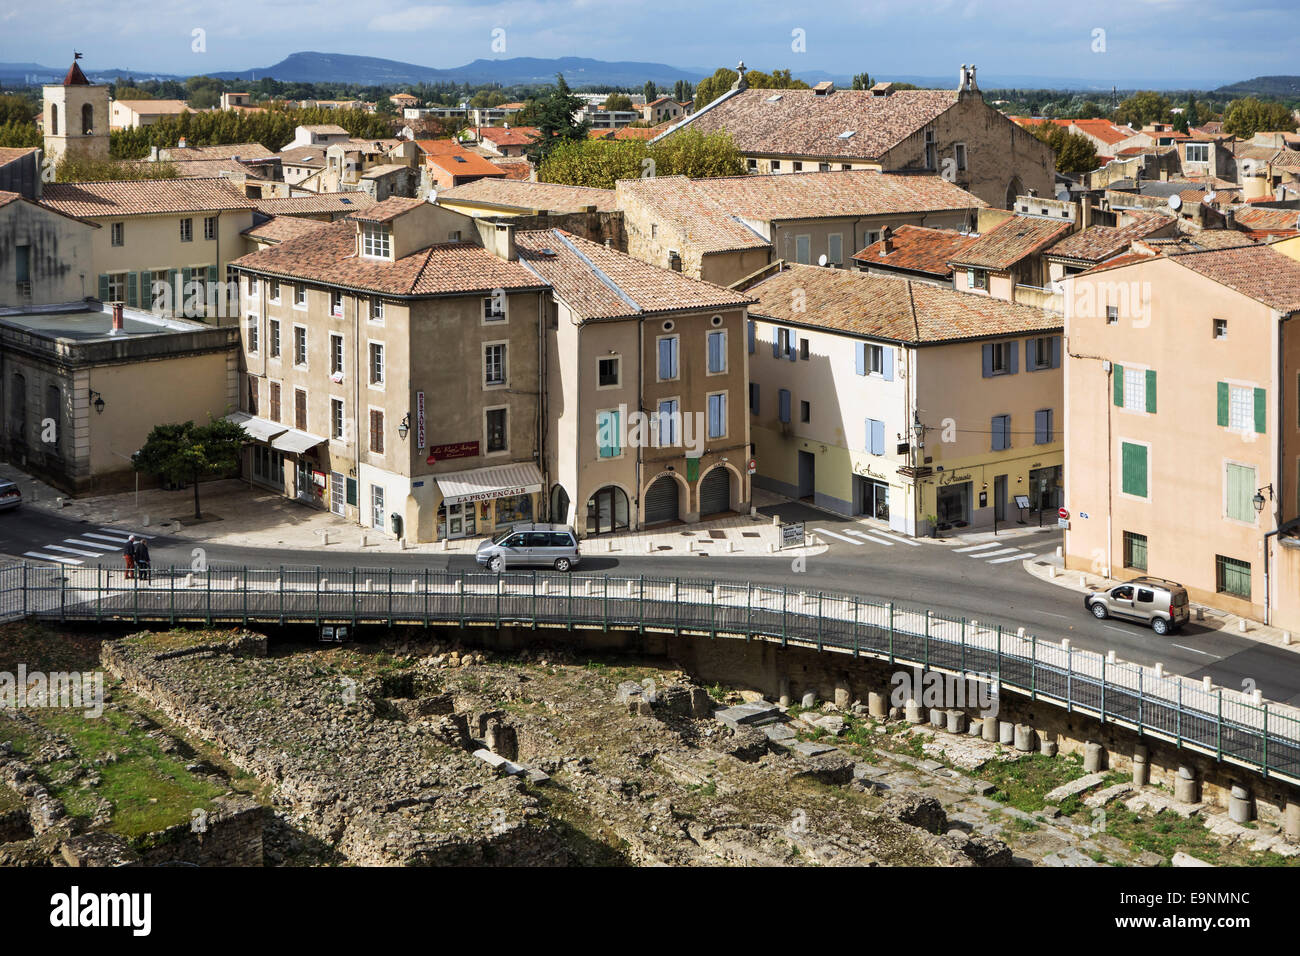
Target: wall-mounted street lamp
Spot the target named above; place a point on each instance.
(97, 400)
(405, 427)
(1258, 500)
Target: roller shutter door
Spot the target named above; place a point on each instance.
(661, 500)
(715, 492)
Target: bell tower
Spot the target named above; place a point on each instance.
(76, 116)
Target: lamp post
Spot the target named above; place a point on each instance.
(405, 427)
(97, 400)
(1258, 500)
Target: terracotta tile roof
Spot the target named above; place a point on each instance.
(388, 210)
(917, 249)
(511, 136)
(600, 283)
(455, 159)
(330, 129)
(515, 172)
(143, 197)
(699, 219)
(208, 168)
(1258, 272)
(318, 203)
(303, 156)
(283, 228)
(529, 195)
(1195, 242)
(8, 154)
(804, 123)
(75, 77)
(892, 308)
(636, 132)
(1097, 243)
(328, 256)
(1013, 240)
(7, 197)
(1106, 131)
(229, 151)
(155, 107)
(850, 192)
(1287, 159)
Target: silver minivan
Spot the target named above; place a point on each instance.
(545, 545)
(1155, 601)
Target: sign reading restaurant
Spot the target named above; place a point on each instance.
(462, 449)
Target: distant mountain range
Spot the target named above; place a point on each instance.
(313, 67)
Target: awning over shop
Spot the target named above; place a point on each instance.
(295, 442)
(258, 429)
(483, 484)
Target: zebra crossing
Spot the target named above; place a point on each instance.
(995, 553)
(858, 538)
(84, 546)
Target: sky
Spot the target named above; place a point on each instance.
(1164, 42)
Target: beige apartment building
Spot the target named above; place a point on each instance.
(180, 233)
(46, 256)
(644, 384)
(1183, 426)
(391, 369)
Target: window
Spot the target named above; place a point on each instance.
(803, 249)
(1112, 315)
(776, 165)
(1000, 358)
(252, 286)
(717, 352)
(753, 398)
(803, 349)
(1001, 432)
(1198, 152)
(805, 412)
(1135, 551)
(376, 241)
(209, 227)
(753, 165)
(336, 304)
(667, 357)
(376, 363)
(376, 309)
(1133, 467)
(797, 166)
(930, 151)
(273, 333)
(875, 436)
(875, 359)
(252, 395)
(275, 291)
(1242, 408)
(336, 418)
(1231, 576)
(959, 151)
(300, 345)
(252, 334)
(669, 421)
(835, 249)
(495, 419)
(299, 296)
(1239, 490)
(977, 279)
(275, 401)
(494, 365)
(783, 405)
(1135, 389)
(654, 230)
(116, 287)
(718, 415)
(1040, 353)
(608, 434)
(1220, 329)
(117, 233)
(752, 334)
(1043, 426)
(494, 308)
(783, 344)
(607, 372)
(336, 354)
(377, 431)
(300, 409)
(187, 230)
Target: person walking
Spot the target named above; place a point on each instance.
(128, 555)
(142, 560)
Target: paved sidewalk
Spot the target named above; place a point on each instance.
(1052, 571)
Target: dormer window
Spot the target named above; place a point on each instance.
(376, 241)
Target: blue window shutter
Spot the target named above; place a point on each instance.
(988, 360)
(752, 336)
(887, 362)
(776, 342)
(877, 438)
(784, 405)
(1042, 426)
(1056, 351)
(1031, 354)
(792, 346)
(861, 350)
(753, 398)
(1013, 350)
(714, 352)
(672, 350)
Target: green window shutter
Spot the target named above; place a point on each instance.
(103, 288)
(1151, 391)
(146, 290)
(352, 491)
(1241, 489)
(1223, 404)
(1118, 372)
(212, 273)
(132, 290)
(1134, 469)
(1261, 411)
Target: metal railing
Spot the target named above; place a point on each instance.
(1229, 725)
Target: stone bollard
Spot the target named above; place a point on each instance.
(1092, 757)
(1207, 683)
(586, 587)
(1006, 732)
(1291, 821)
(808, 701)
(324, 584)
(912, 711)
(1185, 784)
(1141, 767)
(1160, 669)
(842, 695)
(989, 729)
(1024, 741)
(1239, 805)
(545, 585)
(649, 547)
(366, 585)
(1051, 570)
(784, 692)
(189, 580)
(277, 584)
(877, 704)
(1048, 748)
(144, 520)
(974, 728)
(1241, 625)
(938, 718)
(1286, 638)
(956, 722)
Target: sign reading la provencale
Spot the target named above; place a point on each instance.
(461, 449)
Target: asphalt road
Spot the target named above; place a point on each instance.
(971, 584)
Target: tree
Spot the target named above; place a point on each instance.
(618, 101)
(1190, 111)
(189, 452)
(82, 169)
(697, 155)
(1142, 109)
(862, 81)
(1247, 117)
(1074, 153)
(20, 135)
(602, 163)
(555, 121)
(682, 91)
(651, 91)
(712, 87)
(15, 109)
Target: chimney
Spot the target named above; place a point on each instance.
(1229, 219)
(153, 154)
(117, 317)
(887, 241)
(180, 143)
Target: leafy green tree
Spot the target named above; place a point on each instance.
(556, 124)
(82, 169)
(723, 79)
(682, 91)
(1142, 109)
(1192, 115)
(189, 452)
(862, 81)
(15, 109)
(651, 91)
(1074, 153)
(698, 155)
(1249, 116)
(20, 135)
(618, 101)
(601, 163)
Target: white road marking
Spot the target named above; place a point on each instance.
(975, 547)
(866, 537)
(126, 533)
(1022, 556)
(51, 557)
(842, 537)
(897, 537)
(104, 537)
(86, 544)
(993, 554)
(1122, 630)
(87, 554)
(1051, 614)
(1195, 651)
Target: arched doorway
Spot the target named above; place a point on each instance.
(607, 510)
(559, 505)
(1014, 188)
(661, 501)
(715, 492)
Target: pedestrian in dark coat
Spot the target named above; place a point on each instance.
(142, 559)
(128, 555)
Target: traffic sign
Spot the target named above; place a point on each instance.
(1063, 513)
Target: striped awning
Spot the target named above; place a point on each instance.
(483, 484)
(258, 429)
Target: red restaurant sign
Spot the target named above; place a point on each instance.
(463, 449)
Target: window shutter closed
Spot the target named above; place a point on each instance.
(784, 405)
(1118, 372)
(1013, 356)
(752, 335)
(1261, 412)
(212, 273)
(146, 289)
(1042, 426)
(352, 491)
(715, 353)
(103, 291)
(1223, 404)
(1134, 466)
(753, 398)
(861, 349)
(1031, 354)
(1151, 391)
(665, 358)
(988, 361)
(1056, 351)
(877, 438)
(887, 363)
(133, 297)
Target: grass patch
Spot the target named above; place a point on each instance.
(1023, 783)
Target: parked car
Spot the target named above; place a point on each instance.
(545, 545)
(1155, 601)
(11, 495)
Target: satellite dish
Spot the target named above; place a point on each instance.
(1211, 196)
(1175, 202)
(821, 260)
